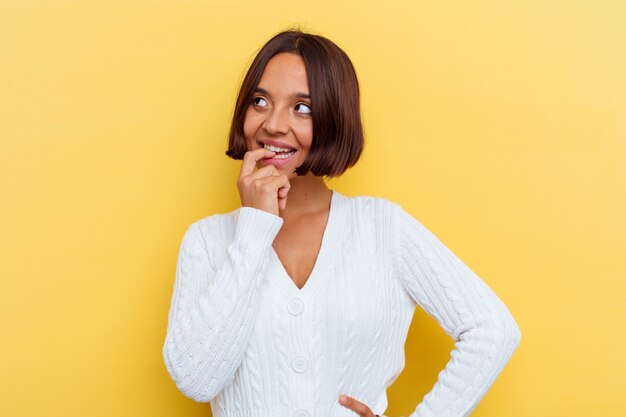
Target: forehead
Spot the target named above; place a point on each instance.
(284, 72)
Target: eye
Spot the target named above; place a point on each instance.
(254, 100)
(307, 107)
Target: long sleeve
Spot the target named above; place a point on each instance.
(213, 307)
(483, 329)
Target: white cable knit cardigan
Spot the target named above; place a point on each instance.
(242, 336)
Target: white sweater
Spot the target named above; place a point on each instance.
(242, 336)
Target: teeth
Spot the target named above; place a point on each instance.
(282, 155)
(276, 149)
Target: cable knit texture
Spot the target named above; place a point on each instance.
(244, 337)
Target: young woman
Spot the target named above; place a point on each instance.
(303, 295)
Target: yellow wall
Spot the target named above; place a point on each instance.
(501, 126)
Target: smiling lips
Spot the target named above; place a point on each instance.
(281, 153)
(280, 145)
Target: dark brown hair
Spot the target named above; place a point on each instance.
(338, 138)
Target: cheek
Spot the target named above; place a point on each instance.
(249, 123)
(305, 134)
(246, 127)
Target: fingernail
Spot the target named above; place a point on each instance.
(342, 399)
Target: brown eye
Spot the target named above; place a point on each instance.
(254, 100)
(306, 106)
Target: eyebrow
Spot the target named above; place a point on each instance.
(297, 95)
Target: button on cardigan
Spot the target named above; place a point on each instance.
(242, 336)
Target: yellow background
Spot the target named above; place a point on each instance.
(500, 125)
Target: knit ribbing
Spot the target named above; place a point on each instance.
(211, 311)
(243, 337)
(483, 329)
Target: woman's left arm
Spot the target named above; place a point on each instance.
(484, 331)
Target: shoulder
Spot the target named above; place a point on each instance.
(370, 203)
(212, 228)
(374, 213)
(385, 213)
(373, 205)
(217, 220)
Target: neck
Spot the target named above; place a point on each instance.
(307, 194)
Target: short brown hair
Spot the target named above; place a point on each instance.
(338, 139)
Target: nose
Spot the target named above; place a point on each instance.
(277, 122)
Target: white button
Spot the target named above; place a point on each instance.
(301, 413)
(300, 363)
(295, 306)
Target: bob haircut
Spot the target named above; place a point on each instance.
(338, 139)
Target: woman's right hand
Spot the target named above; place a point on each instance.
(264, 189)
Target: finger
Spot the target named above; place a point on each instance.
(266, 171)
(283, 191)
(274, 182)
(250, 159)
(355, 406)
(269, 170)
(273, 179)
(282, 197)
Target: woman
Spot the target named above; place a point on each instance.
(303, 295)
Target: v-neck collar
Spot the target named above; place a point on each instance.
(329, 244)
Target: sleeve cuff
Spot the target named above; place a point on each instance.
(257, 227)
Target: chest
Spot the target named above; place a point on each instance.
(350, 308)
(298, 245)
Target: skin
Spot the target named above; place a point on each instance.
(356, 406)
(278, 114)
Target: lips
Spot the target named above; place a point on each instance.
(279, 159)
(274, 142)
